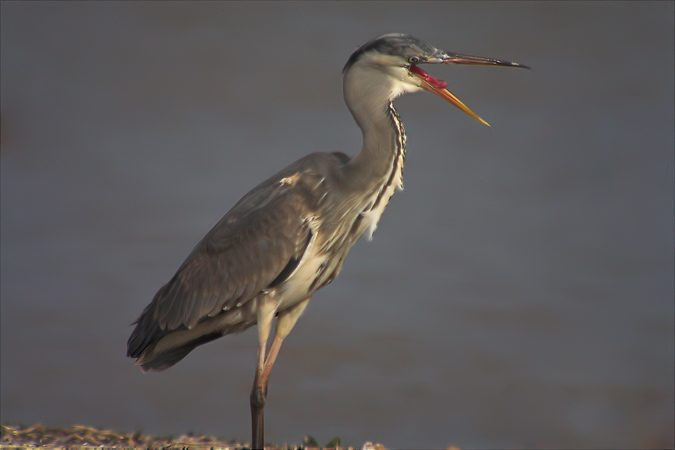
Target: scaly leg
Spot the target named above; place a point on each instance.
(285, 323)
(266, 310)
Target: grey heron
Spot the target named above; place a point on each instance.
(289, 236)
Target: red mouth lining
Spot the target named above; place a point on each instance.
(440, 84)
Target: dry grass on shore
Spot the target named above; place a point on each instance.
(80, 436)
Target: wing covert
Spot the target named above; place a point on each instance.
(244, 253)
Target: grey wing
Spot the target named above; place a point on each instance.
(250, 249)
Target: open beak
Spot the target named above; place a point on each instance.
(438, 87)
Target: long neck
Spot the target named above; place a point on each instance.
(379, 165)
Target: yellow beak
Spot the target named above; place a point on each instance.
(438, 87)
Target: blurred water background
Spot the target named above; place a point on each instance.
(518, 293)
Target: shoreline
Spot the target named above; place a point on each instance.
(82, 436)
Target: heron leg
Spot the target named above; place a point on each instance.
(285, 323)
(266, 311)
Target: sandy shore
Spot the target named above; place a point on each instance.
(80, 436)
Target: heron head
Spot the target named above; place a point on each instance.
(400, 55)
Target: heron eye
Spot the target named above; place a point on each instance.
(413, 60)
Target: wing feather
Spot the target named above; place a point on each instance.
(238, 258)
(235, 261)
(241, 255)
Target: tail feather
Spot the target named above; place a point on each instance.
(157, 349)
(162, 360)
